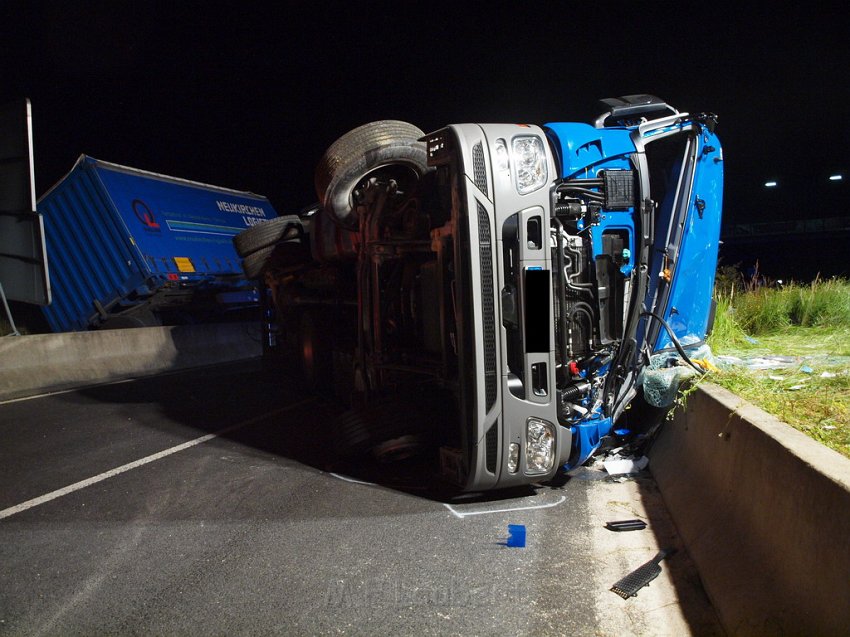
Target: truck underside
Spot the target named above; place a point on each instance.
(496, 291)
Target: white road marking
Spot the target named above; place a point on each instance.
(82, 484)
(461, 515)
(108, 383)
(59, 392)
(347, 479)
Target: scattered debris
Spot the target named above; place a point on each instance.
(705, 364)
(640, 577)
(616, 464)
(806, 369)
(828, 375)
(626, 525)
(516, 536)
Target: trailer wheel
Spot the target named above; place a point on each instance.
(267, 233)
(388, 144)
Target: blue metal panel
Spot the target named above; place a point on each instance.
(692, 285)
(581, 147)
(179, 227)
(115, 234)
(88, 247)
(583, 152)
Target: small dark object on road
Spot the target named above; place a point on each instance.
(626, 525)
(640, 577)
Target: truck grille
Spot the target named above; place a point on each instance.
(488, 309)
(492, 448)
(478, 171)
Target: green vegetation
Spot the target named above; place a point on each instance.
(808, 328)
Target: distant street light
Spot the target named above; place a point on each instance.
(836, 177)
(770, 184)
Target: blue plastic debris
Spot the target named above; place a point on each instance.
(806, 369)
(516, 536)
(750, 339)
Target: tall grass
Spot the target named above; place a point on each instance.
(767, 309)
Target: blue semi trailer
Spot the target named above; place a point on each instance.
(130, 248)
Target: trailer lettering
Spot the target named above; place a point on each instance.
(241, 209)
(252, 221)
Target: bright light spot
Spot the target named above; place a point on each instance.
(836, 177)
(770, 184)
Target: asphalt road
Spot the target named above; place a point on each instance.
(205, 503)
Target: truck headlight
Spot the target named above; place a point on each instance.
(530, 161)
(539, 446)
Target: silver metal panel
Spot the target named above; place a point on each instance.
(23, 258)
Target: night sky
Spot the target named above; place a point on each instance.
(249, 97)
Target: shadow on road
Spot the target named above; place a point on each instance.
(282, 420)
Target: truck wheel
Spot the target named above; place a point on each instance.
(391, 430)
(256, 262)
(345, 165)
(267, 234)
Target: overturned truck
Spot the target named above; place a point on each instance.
(497, 291)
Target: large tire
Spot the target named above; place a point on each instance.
(256, 262)
(396, 427)
(282, 255)
(267, 234)
(386, 143)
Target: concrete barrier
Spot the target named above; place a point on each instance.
(49, 362)
(765, 513)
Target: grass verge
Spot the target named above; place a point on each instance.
(794, 349)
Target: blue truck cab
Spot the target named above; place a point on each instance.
(500, 290)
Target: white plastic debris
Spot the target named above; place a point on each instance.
(617, 465)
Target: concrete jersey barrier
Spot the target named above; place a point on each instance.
(765, 513)
(49, 362)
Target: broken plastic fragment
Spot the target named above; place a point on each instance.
(705, 364)
(516, 536)
(617, 465)
(828, 375)
(640, 577)
(626, 525)
(806, 369)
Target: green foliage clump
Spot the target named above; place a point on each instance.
(823, 303)
(763, 307)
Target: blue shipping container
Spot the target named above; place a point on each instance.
(121, 240)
